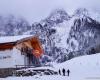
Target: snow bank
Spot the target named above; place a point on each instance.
(85, 66)
(81, 68)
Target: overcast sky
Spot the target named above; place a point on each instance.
(35, 10)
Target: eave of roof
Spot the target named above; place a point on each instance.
(11, 39)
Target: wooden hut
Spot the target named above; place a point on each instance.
(19, 50)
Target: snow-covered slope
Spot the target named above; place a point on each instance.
(85, 66)
(81, 68)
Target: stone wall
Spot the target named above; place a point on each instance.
(6, 72)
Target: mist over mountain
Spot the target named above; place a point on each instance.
(11, 25)
(63, 36)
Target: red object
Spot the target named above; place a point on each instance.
(37, 53)
(37, 47)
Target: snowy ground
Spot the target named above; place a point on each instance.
(82, 68)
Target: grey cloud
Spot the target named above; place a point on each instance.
(35, 10)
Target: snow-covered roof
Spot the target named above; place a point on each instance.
(7, 39)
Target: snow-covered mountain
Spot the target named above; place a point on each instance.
(11, 25)
(68, 37)
(63, 36)
(84, 35)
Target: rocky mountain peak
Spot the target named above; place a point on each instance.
(58, 15)
(81, 12)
